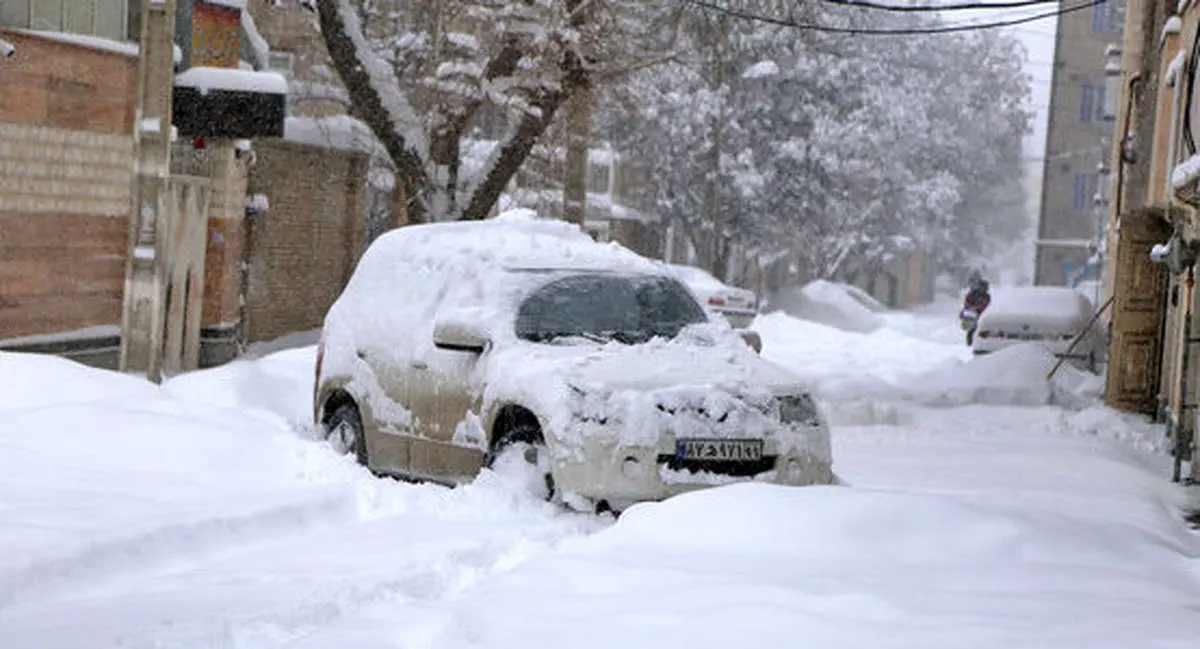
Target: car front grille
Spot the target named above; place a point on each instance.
(732, 468)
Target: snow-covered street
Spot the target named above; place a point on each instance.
(982, 507)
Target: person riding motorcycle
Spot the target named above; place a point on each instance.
(976, 302)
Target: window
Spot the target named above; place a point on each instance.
(604, 307)
(1108, 16)
(598, 178)
(103, 18)
(1087, 102)
(1091, 102)
(1083, 191)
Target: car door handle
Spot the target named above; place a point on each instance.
(420, 365)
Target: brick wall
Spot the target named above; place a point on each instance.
(66, 112)
(301, 252)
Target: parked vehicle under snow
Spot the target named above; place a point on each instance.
(738, 306)
(1049, 315)
(457, 346)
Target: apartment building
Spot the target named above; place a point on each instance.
(1078, 142)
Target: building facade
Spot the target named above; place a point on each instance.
(1154, 227)
(1078, 141)
(281, 228)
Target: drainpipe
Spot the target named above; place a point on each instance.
(1182, 442)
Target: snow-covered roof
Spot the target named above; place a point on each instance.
(334, 131)
(512, 240)
(1037, 306)
(697, 277)
(204, 78)
(94, 42)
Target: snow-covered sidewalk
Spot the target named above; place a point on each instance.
(201, 514)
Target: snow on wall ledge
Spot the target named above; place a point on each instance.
(1186, 172)
(229, 79)
(95, 42)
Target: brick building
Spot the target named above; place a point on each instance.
(66, 114)
(284, 226)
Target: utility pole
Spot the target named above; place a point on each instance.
(143, 317)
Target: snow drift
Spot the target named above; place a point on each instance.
(832, 304)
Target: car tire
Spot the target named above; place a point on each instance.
(529, 440)
(343, 429)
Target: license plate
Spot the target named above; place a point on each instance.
(729, 450)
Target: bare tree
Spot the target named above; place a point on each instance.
(421, 75)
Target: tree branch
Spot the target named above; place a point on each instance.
(359, 70)
(545, 104)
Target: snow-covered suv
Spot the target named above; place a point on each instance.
(462, 345)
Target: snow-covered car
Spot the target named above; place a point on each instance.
(522, 342)
(1050, 315)
(738, 306)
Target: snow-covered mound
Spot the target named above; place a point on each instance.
(829, 303)
(853, 369)
(103, 475)
(832, 357)
(36, 381)
(278, 387)
(1016, 375)
(854, 568)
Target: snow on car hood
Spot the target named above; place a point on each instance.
(710, 383)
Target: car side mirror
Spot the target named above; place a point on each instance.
(753, 339)
(460, 335)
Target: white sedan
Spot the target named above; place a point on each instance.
(1050, 315)
(737, 305)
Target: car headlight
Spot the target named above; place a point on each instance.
(799, 409)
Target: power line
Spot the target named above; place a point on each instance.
(868, 4)
(781, 22)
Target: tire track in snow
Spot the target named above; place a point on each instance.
(181, 540)
(294, 588)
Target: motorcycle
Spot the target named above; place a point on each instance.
(968, 319)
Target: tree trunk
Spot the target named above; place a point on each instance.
(369, 105)
(575, 168)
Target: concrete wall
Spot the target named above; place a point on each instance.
(302, 252)
(66, 114)
(903, 282)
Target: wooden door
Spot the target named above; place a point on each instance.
(1140, 287)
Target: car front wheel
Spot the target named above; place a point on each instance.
(343, 429)
(521, 453)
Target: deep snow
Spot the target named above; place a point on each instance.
(201, 514)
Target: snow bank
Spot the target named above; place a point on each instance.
(851, 370)
(830, 356)
(110, 484)
(747, 565)
(278, 388)
(829, 303)
(29, 381)
(1015, 375)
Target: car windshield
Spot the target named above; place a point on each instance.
(608, 307)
